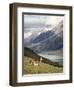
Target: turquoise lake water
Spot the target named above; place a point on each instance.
(53, 58)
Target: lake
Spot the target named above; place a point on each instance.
(53, 58)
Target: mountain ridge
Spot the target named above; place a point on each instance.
(50, 40)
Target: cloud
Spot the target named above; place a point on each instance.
(37, 23)
(28, 34)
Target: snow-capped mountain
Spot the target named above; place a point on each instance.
(46, 40)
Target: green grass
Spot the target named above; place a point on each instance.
(42, 68)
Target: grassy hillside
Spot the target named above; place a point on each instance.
(42, 68)
(30, 53)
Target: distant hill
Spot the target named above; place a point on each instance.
(30, 53)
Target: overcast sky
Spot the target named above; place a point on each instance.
(39, 23)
